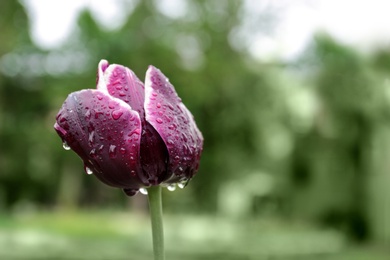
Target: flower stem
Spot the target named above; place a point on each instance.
(155, 206)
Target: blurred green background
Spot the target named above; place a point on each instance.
(296, 155)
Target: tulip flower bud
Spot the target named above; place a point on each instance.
(130, 135)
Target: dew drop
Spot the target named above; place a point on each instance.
(88, 114)
(90, 137)
(182, 184)
(159, 120)
(112, 151)
(92, 153)
(66, 146)
(158, 105)
(100, 97)
(143, 191)
(122, 150)
(116, 114)
(88, 171)
(97, 114)
(171, 187)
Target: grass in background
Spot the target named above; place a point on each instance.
(116, 236)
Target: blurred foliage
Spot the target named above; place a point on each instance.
(307, 140)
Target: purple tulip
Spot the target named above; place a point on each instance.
(131, 135)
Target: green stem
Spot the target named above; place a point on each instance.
(155, 206)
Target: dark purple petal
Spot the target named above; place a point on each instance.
(175, 124)
(106, 133)
(154, 155)
(122, 83)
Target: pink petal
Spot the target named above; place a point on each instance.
(122, 83)
(106, 133)
(175, 124)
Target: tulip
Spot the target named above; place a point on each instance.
(131, 135)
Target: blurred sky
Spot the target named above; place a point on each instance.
(363, 24)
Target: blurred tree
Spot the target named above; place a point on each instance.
(333, 165)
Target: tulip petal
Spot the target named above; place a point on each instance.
(175, 124)
(122, 83)
(105, 132)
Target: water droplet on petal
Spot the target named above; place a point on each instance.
(171, 187)
(66, 146)
(158, 105)
(112, 151)
(159, 120)
(122, 150)
(90, 137)
(143, 191)
(100, 97)
(88, 171)
(92, 153)
(116, 114)
(88, 114)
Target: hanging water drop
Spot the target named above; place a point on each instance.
(171, 187)
(182, 184)
(88, 171)
(66, 146)
(143, 191)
